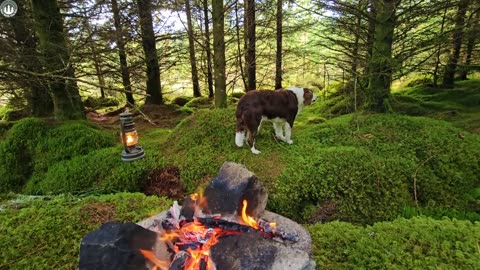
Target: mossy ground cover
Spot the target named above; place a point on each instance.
(360, 168)
(72, 157)
(45, 232)
(417, 243)
(459, 105)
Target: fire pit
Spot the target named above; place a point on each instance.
(225, 228)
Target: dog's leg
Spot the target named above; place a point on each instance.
(288, 133)
(251, 142)
(255, 151)
(278, 131)
(239, 138)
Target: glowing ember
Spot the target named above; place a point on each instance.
(191, 240)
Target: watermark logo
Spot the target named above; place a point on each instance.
(8, 8)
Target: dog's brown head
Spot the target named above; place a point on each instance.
(308, 97)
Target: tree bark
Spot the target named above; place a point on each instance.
(39, 100)
(370, 34)
(208, 50)
(191, 50)
(154, 89)
(439, 49)
(355, 49)
(250, 52)
(239, 50)
(471, 42)
(449, 75)
(96, 61)
(121, 53)
(278, 60)
(219, 54)
(380, 64)
(56, 58)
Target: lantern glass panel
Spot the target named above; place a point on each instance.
(131, 138)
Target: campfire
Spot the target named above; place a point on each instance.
(226, 227)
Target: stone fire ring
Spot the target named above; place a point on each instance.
(304, 242)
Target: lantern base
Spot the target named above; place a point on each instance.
(134, 154)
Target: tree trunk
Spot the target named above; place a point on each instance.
(380, 64)
(56, 57)
(278, 62)
(439, 49)
(472, 36)
(121, 53)
(191, 47)
(370, 34)
(239, 42)
(449, 75)
(154, 89)
(39, 100)
(96, 61)
(208, 50)
(356, 41)
(250, 53)
(219, 54)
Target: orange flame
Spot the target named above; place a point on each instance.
(162, 265)
(248, 219)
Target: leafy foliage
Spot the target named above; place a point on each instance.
(417, 243)
(45, 233)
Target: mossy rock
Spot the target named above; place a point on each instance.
(99, 102)
(181, 101)
(237, 95)
(200, 103)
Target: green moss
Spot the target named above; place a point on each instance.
(460, 106)
(354, 160)
(418, 243)
(16, 153)
(45, 233)
(203, 141)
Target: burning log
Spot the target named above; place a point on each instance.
(226, 228)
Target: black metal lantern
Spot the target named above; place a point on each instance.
(131, 150)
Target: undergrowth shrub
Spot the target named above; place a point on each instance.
(45, 233)
(417, 243)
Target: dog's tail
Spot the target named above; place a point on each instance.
(240, 134)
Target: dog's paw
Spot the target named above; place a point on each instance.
(289, 141)
(255, 151)
(280, 137)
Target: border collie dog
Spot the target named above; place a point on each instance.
(280, 107)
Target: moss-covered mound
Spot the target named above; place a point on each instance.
(45, 233)
(460, 105)
(363, 168)
(417, 243)
(73, 157)
(202, 142)
(372, 166)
